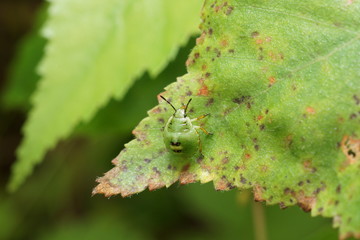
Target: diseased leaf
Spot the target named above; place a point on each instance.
(281, 81)
(96, 50)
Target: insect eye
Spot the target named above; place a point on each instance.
(175, 143)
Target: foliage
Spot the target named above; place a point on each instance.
(95, 51)
(281, 84)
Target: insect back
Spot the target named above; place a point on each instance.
(180, 135)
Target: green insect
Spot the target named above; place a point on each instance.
(180, 135)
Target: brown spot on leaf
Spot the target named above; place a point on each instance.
(310, 110)
(204, 67)
(225, 160)
(351, 149)
(185, 168)
(308, 166)
(248, 105)
(156, 170)
(209, 102)
(259, 41)
(115, 161)
(200, 159)
(155, 182)
(123, 168)
(338, 189)
(255, 34)
(106, 187)
(247, 155)
(243, 99)
(218, 52)
(217, 8)
(222, 184)
(258, 192)
(242, 179)
(187, 177)
(353, 116)
(156, 110)
(189, 62)
(200, 40)
(140, 135)
(272, 80)
(305, 202)
(317, 191)
(357, 99)
(287, 190)
(229, 10)
(224, 43)
(260, 117)
(203, 90)
(282, 205)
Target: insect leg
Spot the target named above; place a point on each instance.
(203, 129)
(201, 117)
(200, 145)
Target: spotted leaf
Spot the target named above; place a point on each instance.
(281, 81)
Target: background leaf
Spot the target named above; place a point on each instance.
(96, 50)
(281, 82)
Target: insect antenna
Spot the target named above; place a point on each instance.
(187, 104)
(168, 103)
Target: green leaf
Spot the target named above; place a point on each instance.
(281, 81)
(96, 50)
(115, 111)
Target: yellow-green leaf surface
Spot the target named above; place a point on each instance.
(281, 80)
(96, 50)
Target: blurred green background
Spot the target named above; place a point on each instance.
(56, 201)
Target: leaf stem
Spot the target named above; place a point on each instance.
(259, 221)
